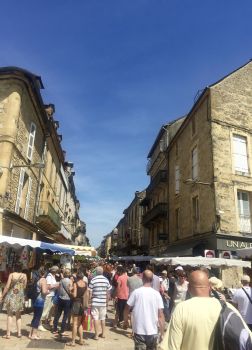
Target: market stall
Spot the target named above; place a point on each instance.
(136, 258)
(228, 270)
(245, 253)
(28, 253)
(200, 261)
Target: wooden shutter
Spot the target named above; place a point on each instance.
(20, 189)
(27, 203)
(31, 141)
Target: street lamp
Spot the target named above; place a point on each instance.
(191, 181)
(34, 165)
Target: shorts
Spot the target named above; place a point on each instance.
(99, 313)
(77, 308)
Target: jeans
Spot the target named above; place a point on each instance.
(38, 310)
(145, 342)
(65, 306)
(166, 308)
(120, 308)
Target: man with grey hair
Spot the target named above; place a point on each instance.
(242, 300)
(147, 309)
(99, 288)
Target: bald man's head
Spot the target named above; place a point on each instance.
(199, 284)
(147, 276)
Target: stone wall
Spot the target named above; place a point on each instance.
(181, 154)
(231, 113)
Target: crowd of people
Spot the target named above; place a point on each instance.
(174, 308)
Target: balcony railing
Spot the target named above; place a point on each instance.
(161, 177)
(159, 210)
(48, 218)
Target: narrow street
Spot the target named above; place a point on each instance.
(115, 338)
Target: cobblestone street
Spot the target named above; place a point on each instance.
(115, 338)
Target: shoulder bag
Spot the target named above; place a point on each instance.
(247, 295)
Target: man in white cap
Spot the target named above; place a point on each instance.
(242, 300)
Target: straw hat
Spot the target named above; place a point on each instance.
(215, 283)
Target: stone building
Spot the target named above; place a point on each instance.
(155, 203)
(209, 171)
(132, 237)
(37, 197)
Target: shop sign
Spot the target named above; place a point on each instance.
(238, 244)
(229, 244)
(209, 253)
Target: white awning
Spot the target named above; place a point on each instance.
(21, 242)
(243, 253)
(200, 261)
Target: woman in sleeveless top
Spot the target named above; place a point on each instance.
(13, 299)
(77, 292)
(38, 304)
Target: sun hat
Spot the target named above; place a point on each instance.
(54, 268)
(215, 282)
(245, 278)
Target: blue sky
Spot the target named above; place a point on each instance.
(116, 71)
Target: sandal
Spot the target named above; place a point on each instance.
(70, 344)
(36, 337)
(6, 336)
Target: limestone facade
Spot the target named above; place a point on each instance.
(212, 149)
(37, 194)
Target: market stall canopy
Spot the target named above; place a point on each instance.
(81, 250)
(132, 258)
(244, 253)
(200, 261)
(21, 242)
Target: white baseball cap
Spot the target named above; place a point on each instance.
(179, 268)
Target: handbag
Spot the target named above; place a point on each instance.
(87, 323)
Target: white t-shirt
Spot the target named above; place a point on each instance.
(50, 279)
(244, 305)
(145, 302)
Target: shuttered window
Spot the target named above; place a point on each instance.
(177, 179)
(195, 169)
(20, 189)
(240, 155)
(27, 202)
(31, 141)
(244, 211)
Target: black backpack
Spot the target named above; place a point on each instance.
(31, 289)
(230, 332)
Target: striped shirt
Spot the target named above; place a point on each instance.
(99, 286)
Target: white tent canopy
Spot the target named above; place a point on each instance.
(132, 258)
(21, 242)
(243, 253)
(200, 261)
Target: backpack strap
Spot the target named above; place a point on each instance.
(247, 295)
